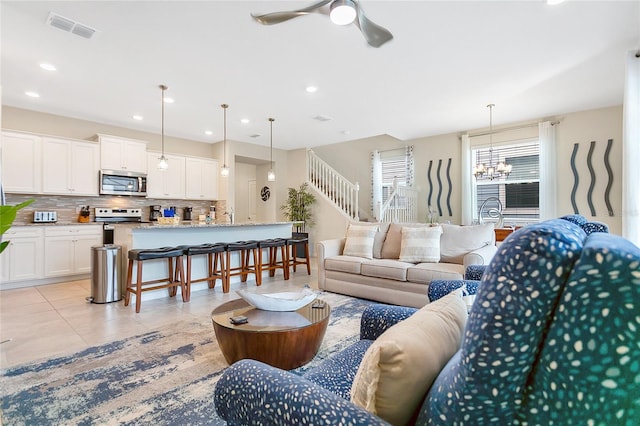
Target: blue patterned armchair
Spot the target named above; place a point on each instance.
(552, 338)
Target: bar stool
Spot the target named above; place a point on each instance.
(215, 264)
(272, 263)
(171, 282)
(247, 250)
(292, 245)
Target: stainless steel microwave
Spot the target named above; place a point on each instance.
(115, 182)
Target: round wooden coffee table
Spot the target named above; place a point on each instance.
(285, 340)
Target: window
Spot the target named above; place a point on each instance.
(385, 167)
(519, 193)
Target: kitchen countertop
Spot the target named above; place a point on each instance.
(197, 224)
(59, 223)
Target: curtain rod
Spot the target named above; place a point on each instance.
(506, 129)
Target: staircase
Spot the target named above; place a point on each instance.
(401, 207)
(332, 185)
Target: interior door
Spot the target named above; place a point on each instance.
(252, 200)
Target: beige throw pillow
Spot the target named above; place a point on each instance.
(458, 240)
(360, 239)
(400, 366)
(420, 244)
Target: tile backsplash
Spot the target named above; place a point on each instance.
(68, 207)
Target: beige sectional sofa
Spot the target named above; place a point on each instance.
(395, 263)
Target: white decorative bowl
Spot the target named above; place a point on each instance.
(282, 302)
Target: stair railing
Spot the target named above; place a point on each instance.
(401, 206)
(333, 185)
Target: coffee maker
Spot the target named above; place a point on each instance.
(187, 213)
(155, 212)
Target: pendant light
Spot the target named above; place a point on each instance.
(224, 171)
(271, 176)
(163, 164)
(491, 172)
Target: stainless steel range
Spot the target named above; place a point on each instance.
(111, 216)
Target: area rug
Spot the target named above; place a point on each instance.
(162, 378)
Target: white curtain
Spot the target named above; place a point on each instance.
(469, 200)
(376, 184)
(631, 150)
(548, 178)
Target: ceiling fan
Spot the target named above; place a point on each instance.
(341, 12)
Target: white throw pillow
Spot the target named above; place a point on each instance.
(400, 366)
(458, 240)
(360, 239)
(420, 244)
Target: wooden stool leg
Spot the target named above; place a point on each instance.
(138, 286)
(294, 260)
(226, 283)
(171, 289)
(127, 292)
(211, 269)
(185, 290)
(285, 263)
(257, 265)
(306, 256)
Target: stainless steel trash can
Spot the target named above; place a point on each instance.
(106, 273)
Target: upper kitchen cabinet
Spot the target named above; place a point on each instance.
(70, 167)
(21, 163)
(201, 179)
(122, 154)
(169, 183)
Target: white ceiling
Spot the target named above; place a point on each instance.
(447, 61)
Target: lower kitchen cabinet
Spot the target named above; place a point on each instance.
(68, 249)
(23, 258)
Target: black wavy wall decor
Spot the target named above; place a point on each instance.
(576, 178)
(430, 183)
(450, 187)
(607, 164)
(593, 178)
(439, 187)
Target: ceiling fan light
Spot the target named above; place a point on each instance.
(343, 12)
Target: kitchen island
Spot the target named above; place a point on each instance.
(142, 236)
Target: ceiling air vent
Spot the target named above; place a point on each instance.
(322, 118)
(70, 26)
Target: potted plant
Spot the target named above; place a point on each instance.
(7, 216)
(297, 209)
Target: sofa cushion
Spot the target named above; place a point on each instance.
(349, 264)
(378, 242)
(399, 367)
(360, 239)
(420, 244)
(386, 268)
(456, 240)
(393, 241)
(424, 273)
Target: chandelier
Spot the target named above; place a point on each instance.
(491, 171)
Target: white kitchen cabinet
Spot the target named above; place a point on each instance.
(122, 154)
(69, 167)
(201, 179)
(21, 163)
(23, 258)
(169, 183)
(68, 249)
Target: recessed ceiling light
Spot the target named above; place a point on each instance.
(311, 89)
(47, 67)
(138, 117)
(208, 132)
(244, 121)
(168, 100)
(32, 94)
(554, 2)
(346, 132)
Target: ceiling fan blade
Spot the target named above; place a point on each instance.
(278, 17)
(373, 33)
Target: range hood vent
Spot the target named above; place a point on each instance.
(70, 26)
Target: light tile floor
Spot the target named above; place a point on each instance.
(55, 319)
